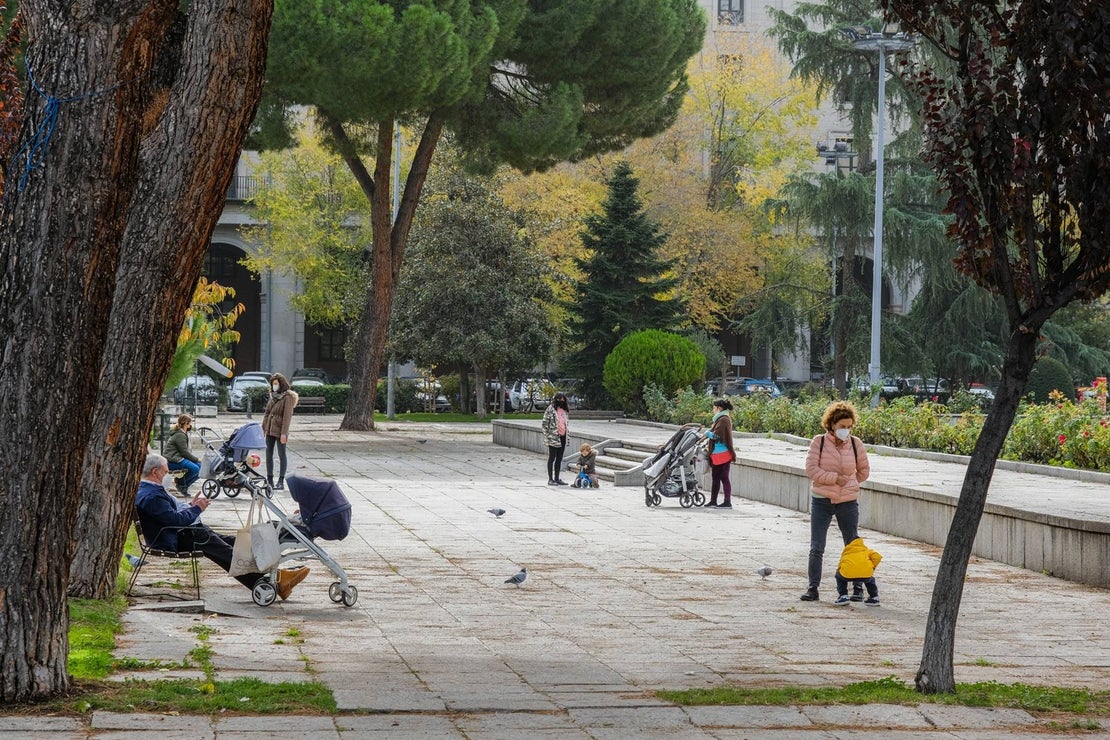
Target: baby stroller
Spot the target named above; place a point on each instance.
(225, 466)
(324, 512)
(670, 472)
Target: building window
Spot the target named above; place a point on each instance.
(219, 266)
(730, 12)
(331, 344)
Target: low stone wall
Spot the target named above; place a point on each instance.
(1066, 547)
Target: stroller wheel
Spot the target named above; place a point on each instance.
(350, 596)
(231, 491)
(335, 592)
(210, 488)
(264, 593)
(699, 499)
(686, 500)
(656, 499)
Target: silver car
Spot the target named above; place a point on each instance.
(237, 393)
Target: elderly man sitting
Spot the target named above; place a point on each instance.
(163, 518)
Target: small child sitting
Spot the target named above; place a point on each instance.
(857, 563)
(587, 460)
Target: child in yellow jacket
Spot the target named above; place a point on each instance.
(857, 563)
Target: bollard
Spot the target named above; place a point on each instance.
(247, 398)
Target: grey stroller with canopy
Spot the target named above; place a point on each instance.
(324, 513)
(670, 472)
(223, 467)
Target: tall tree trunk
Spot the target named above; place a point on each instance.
(935, 674)
(464, 388)
(197, 119)
(60, 232)
(389, 241)
(481, 404)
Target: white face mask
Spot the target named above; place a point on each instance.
(276, 387)
(842, 433)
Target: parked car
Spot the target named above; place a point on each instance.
(306, 383)
(237, 392)
(531, 394)
(743, 387)
(311, 372)
(439, 405)
(928, 389)
(196, 389)
(571, 387)
(890, 386)
(494, 394)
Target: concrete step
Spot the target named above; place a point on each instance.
(616, 463)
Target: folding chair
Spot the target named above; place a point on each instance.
(146, 551)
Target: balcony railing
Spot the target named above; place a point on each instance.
(242, 187)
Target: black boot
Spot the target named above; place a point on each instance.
(280, 485)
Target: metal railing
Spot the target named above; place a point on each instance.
(243, 187)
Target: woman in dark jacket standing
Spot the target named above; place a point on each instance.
(554, 426)
(275, 425)
(720, 442)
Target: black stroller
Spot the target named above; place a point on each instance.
(670, 472)
(325, 513)
(225, 466)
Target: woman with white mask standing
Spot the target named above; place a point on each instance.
(836, 464)
(275, 425)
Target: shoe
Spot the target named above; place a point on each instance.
(810, 595)
(872, 601)
(551, 482)
(287, 579)
(710, 504)
(857, 594)
(560, 482)
(842, 600)
(725, 505)
(280, 485)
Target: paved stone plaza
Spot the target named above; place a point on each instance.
(620, 600)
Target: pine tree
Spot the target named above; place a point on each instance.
(625, 286)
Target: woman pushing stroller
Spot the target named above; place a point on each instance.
(721, 453)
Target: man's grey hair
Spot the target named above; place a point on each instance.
(153, 462)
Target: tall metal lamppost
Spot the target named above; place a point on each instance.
(889, 40)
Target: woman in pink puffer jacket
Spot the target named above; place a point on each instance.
(836, 464)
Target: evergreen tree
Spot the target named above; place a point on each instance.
(624, 287)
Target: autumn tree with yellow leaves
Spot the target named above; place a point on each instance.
(745, 127)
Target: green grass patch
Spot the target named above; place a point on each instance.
(93, 626)
(246, 695)
(894, 691)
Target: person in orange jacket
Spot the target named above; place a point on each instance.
(857, 563)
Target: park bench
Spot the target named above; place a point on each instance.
(311, 403)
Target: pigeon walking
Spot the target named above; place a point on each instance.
(764, 571)
(518, 578)
(497, 512)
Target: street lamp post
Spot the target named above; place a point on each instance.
(883, 42)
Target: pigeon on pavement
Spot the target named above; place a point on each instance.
(496, 512)
(764, 571)
(518, 578)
